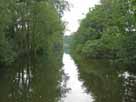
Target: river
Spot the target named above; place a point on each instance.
(96, 81)
(77, 92)
(93, 81)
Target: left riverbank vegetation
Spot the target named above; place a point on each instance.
(30, 27)
(108, 32)
(31, 44)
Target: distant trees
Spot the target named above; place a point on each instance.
(108, 31)
(67, 42)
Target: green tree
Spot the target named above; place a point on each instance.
(108, 31)
(7, 14)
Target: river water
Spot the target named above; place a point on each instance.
(93, 81)
(96, 81)
(77, 92)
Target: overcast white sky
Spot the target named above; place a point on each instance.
(77, 11)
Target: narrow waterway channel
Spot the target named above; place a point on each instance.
(77, 92)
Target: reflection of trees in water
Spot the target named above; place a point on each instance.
(31, 82)
(104, 83)
(21, 86)
(45, 83)
(64, 88)
(104, 87)
(129, 88)
(101, 80)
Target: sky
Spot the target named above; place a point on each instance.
(78, 10)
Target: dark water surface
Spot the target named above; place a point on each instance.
(96, 81)
(30, 82)
(106, 82)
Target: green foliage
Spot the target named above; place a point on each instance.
(30, 29)
(67, 43)
(31, 44)
(108, 31)
(6, 15)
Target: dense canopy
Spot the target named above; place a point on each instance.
(108, 32)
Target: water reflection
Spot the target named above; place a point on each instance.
(21, 89)
(75, 92)
(129, 87)
(27, 81)
(98, 81)
(106, 84)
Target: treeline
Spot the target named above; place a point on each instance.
(108, 32)
(67, 42)
(30, 28)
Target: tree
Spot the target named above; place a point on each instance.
(108, 31)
